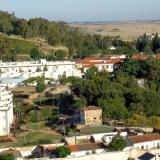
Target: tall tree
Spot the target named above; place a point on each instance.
(156, 43)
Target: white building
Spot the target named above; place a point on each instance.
(101, 63)
(6, 111)
(12, 73)
(148, 141)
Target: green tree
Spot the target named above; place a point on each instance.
(118, 143)
(63, 151)
(78, 103)
(60, 55)
(5, 26)
(35, 54)
(40, 88)
(22, 28)
(156, 43)
(142, 42)
(7, 157)
(148, 50)
(91, 73)
(113, 108)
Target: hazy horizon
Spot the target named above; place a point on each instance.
(84, 10)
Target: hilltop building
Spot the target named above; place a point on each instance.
(6, 111)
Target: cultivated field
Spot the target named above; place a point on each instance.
(127, 30)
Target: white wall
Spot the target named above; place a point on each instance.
(6, 111)
(55, 69)
(147, 145)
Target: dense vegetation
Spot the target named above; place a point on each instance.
(79, 44)
(55, 33)
(119, 94)
(148, 45)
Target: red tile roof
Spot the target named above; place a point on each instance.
(139, 56)
(86, 147)
(89, 62)
(73, 148)
(144, 138)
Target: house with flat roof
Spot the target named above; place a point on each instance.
(12, 73)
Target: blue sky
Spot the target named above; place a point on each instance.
(84, 10)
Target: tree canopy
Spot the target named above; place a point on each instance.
(40, 87)
(118, 143)
(133, 88)
(63, 151)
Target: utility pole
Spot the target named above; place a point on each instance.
(58, 110)
(38, 119)
(24, 138)
(64, 129)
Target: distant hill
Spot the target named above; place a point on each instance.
(127, 30)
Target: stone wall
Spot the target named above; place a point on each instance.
(93, 117)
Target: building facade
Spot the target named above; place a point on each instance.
(148, 141)
(20, 71)
(101, 63)
(6, 111)
(91, 116)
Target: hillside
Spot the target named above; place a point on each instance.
(26, 45)
(48, 37)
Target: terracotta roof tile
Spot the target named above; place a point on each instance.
(89, 62)
(73, 148)
(139, 56)
(86, 147)
(144, 138)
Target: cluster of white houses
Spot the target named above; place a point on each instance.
(12, 73)
(6, 111)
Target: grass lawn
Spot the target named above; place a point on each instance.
(33, 138)
(24, 45)
(36, 138)
(96, 129)
(36, 126)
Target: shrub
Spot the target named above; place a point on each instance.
(63, 151)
